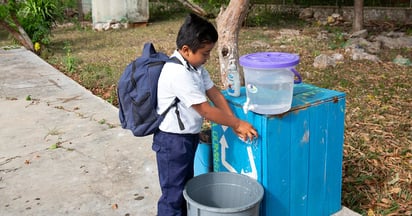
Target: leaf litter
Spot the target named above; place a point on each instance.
(377, 163)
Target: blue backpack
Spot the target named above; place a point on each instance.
(137, 93)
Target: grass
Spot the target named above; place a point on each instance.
(377, 163)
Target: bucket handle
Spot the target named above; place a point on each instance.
(299, 80)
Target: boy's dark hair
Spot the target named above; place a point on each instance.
(195, 32)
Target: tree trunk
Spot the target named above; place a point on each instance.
(20, 35)
(358, 16)
(228, 23)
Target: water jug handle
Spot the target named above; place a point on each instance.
(299, 80)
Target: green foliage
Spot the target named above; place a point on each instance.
(68, 3)
(409, 31)
(69, 60)
(37, 18)
(41, 9)
(7, 10)
(165, 9)
(215, 3)
(88, 16)
(338, 41)
(273, 17)
(4, 11)
(212, 6)
(366, 3)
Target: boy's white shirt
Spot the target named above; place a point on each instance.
(189, 85)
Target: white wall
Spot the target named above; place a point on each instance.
(134, 11)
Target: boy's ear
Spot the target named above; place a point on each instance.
(185, 48)
(185, 51)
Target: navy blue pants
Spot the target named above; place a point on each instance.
(175, 155)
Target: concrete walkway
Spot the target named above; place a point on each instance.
(97, 169)
(63, 152)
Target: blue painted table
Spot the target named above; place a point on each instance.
(298, 155)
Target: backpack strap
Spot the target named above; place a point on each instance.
(148, 49)
(174, 104)
(174, 59)
(179, 120)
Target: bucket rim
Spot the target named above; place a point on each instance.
(269, 60)
(196, 204)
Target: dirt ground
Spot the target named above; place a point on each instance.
(377, 162)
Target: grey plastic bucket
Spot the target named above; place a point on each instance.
(223, 194)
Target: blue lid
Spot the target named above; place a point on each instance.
(269, 60)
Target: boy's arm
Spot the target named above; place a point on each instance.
(219, 100)
(222, 114)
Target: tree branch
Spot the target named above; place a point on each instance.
(194, 7)
(20, 34)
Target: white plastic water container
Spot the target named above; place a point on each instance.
(233, 81)
(269, 80)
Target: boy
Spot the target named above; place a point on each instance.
(175, 146)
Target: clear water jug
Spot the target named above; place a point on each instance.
(269, 80)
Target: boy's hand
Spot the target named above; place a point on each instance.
(245, 131)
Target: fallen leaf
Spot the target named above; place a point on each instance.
(395, 190)
(383, 205)
(54, 146)
(384, 200)
(394, 180)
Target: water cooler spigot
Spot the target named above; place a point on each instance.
(247, 106)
